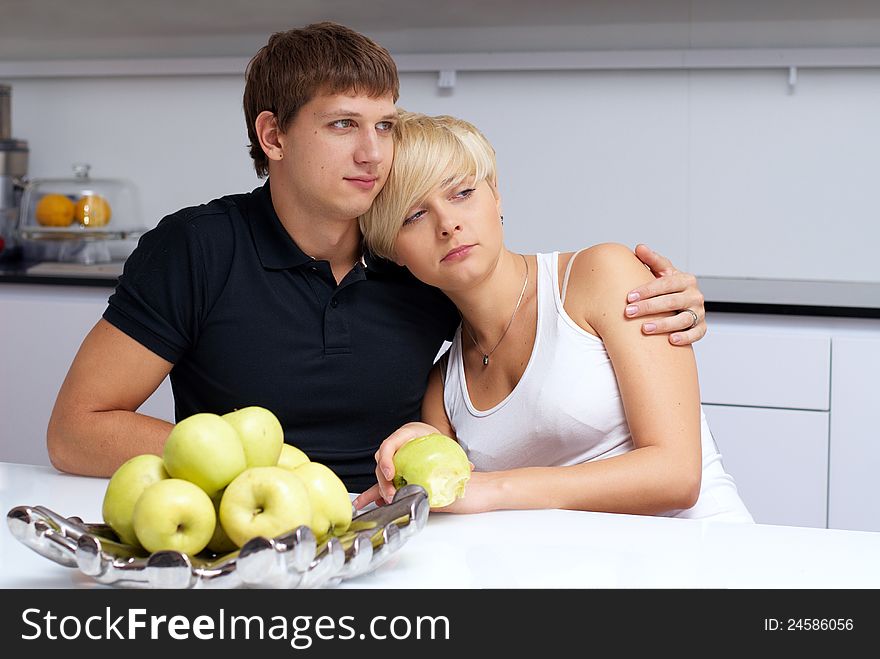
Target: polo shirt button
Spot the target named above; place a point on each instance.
(334, 302)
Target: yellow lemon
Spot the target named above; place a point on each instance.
(92, 211)
(54, 210)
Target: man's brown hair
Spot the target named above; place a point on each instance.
(296, 65)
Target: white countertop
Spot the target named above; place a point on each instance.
(520, 549)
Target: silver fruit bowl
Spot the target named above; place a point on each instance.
(291, 560)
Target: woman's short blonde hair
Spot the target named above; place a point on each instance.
(428, 151)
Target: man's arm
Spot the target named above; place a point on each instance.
(670, 291)
(94, 427)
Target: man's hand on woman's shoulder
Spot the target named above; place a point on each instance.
(671, 290)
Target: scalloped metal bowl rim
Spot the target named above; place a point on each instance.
(44, 525)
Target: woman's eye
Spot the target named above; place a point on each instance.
(342, 123)
(464, 194)
(413, 218)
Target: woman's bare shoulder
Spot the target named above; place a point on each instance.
(603, 274)
(604, 259)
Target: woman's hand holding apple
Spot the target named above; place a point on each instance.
(418, 453)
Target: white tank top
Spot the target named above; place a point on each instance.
(566, 409)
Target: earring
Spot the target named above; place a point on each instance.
(502, 219)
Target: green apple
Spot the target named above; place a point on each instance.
(260, 433)
(206, 450)
(331, 505)
(220, 543)
(437, 463)
(125, 487)
(174, 514)
(264, 501)
(291, 457)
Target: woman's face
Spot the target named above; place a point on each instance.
(453, 238)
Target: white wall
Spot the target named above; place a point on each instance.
(728, 172)
(180, 140)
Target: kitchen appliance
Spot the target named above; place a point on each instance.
(80, 219)
(13, 171)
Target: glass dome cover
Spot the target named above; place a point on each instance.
(81, 208)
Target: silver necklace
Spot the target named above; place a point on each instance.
(509, 323)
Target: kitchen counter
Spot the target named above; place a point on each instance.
(728, 294)
(794, 297)
(520, 549)
(61, 274)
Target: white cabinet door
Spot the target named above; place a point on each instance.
(779, 459)
(764, 368)
(41, 330)
(854, 487)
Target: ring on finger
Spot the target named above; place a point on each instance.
(696, 318)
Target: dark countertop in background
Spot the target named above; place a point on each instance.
(795, 297)
(61, 274)
(739, 295)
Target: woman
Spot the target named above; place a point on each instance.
(545, 383)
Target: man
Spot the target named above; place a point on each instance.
(267, 298)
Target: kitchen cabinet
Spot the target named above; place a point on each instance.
(854, 497)
(41, 330)
(788, 400)
(779, 459)
(766, 393)
(753, 367)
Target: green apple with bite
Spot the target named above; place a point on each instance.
(437, 463)
(260, 433)
(125, 487)
(206, 450)
(174, 515)
(331, 505)
(291, 457)
(264, 501)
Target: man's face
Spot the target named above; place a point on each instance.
(337, 154)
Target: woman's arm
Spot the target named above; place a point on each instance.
(433, 408)
(660, 394)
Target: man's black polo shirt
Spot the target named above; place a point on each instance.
(223, 292)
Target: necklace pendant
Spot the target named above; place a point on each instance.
(485, 360)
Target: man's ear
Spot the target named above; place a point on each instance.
(270, 136)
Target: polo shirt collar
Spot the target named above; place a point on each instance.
(278, 251)
(275, 247)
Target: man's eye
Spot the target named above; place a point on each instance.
(342, 123)
(385, 126)
(415, 217)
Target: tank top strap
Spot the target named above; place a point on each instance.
(546, 286)
(568, 272)
(443, 367)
